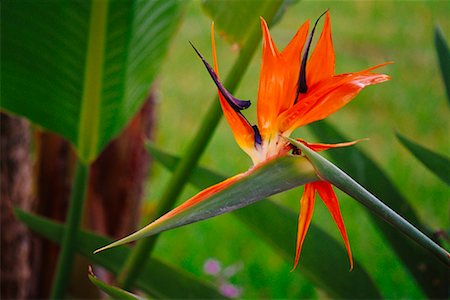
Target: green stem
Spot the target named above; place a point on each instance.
(74, 216)
(180, 176)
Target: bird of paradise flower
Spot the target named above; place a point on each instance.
(294, 90)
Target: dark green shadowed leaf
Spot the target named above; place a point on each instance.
(436, 163)
(112, 291)
(272, 177)
(329, 172)
(82, 68)
(443, 53)
(324, 261)
(426, 269)
(157, 279)
(236, 20)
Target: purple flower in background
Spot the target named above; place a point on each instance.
(221, 276)
(212, 266)
(229, 290)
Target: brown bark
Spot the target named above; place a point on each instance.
(118, 177)
(16, 190)
(54, 168)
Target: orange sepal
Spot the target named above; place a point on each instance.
(328, 96)
(304, 218)
(322, 61)
(291, 58)
(278, 78)
(317, 147)
(328, 196)
(242, 130)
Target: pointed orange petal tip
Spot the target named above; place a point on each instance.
(267, 39)
(330, 200)
(317, 147)
(379, 66)
(304, 219)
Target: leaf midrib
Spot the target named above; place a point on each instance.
(89, 123)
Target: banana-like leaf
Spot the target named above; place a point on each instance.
(235, 20)
(113, 291)
(443, 53)
(323, 261)
(275, 176)
(436, 163)
(329, 172)
(157, 279)
(82, 68)
(431, 275)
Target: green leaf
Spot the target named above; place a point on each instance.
(157, 279)
(82, 68)
(113, 291)
(341, 180)
(236, 20)
(432, 274)
(319, 252)
(275, 176)
(443, 53)
(436, 163)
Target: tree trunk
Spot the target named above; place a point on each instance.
(16, 191)
(54, 170)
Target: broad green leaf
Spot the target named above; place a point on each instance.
(113, 291)
(329, 172)
(261, 181)
(157, 279)
(82, 68)
(443, 53)
(236, 20)
(436, 163)
(323, 261)
(432, 276)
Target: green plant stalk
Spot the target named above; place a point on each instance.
(68, 245)
(193, 153)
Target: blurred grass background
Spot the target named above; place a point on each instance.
(365, 33)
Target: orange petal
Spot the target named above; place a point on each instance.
(328, 196)
(292, 59)
(322, 61)
(242, 130)
(278, 78)
(328, 96)
(304, 218)
(270, 84)
(317, 147)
